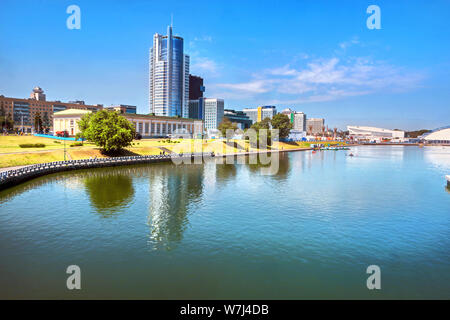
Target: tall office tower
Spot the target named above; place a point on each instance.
(196, 87)
(169, 76)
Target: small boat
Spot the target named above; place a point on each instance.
(351, 155)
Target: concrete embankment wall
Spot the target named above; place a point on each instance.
(13, 177)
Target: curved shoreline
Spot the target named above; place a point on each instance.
(13, 177)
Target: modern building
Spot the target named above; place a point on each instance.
(238, 117)
(315, 126)
(213, 113)
(298, 119)
(123, 108)
(67, 120)
(169, 76)
(260, 113)
(197, 108)
(439, 135)
(24, 112)
(373, 134)
(196, 87)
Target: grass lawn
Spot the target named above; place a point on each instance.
(11, 160)
(10, 144)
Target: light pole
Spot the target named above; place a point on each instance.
(64, 149)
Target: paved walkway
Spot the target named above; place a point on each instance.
(11, 168)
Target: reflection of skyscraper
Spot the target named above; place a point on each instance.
(172, 190)
(169, 76)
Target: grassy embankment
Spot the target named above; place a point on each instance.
(11, 154)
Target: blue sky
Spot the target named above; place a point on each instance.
(313, 56)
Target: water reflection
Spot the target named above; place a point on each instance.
(173, 189)
(109, 191)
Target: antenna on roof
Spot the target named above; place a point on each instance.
(171, 20)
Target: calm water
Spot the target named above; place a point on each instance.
(226, 231)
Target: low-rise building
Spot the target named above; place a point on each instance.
(238, 117)
(67, 120)
(260, 113)
(373, 134)
(159, 126)
(148, 126)
(24, 113)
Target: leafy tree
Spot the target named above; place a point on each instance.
(263, 124)
(108, 130)
(225, 125)
(283, 124)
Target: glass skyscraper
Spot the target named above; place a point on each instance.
(169, 76)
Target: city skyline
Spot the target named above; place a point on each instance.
(329, 64)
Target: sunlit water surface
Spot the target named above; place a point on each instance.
(227, 231)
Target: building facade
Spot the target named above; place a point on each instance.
(213, 113)
(315, 125)
(24, 113)
(147, 125)
(123, 108)
(238, 117)
(260, 113)
(156, 126)
(168, 76)
(67, 120)
(197, 108)
(374, 134)
(196, 87)
(298, 119)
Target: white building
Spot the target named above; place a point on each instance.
(439, 135)
(213, 113)
(260, 113)
(374, 134)
(169, 76)
(298, 119)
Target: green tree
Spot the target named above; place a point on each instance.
(283, 124)
(263, 124)
(225, 125)
(108, 130)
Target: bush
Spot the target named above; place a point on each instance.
(56, 142)
(76, 144)
(32, 145)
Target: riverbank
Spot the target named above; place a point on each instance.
(20, 174)
(12, 155)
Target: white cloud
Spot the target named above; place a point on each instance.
(324, 80)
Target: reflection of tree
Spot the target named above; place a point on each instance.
(109, 191)
(225, 171)
(172, 190)
(283, 166)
